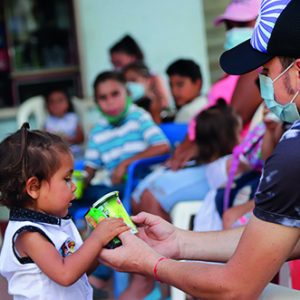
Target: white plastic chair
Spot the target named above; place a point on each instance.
(181, 216)
(34, 108)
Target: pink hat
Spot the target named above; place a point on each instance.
(240, 11)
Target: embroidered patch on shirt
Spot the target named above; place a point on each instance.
(67, 248)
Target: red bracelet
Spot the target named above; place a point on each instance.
(155, 267)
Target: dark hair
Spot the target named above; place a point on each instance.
(138, 67)
(108, 75)
(129, 46)
(26, 154)
(186, 68)
(216, 131)
(286, 61)
(58, 90)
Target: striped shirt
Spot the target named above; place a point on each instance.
(109, 145)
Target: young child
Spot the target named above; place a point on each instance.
(123, 134)
(62, 119)
(218, 129)
(43, 255)
(142, 90)
(126, 51)
(186, 82)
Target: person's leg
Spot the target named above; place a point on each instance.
(139, 287)
(150, 204)
(158, 197)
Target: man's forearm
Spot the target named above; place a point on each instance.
(216, 246)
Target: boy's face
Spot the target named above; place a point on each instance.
(111, 97)
(183, 89)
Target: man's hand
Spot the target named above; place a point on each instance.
(130, 257)
(158, 233)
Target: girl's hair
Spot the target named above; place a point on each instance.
(108, 75)
(64, 92)
(129, 46)
(139, 67)
(26, 154)
(216, 131)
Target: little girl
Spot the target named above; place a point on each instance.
(62, 120)
(43, 256)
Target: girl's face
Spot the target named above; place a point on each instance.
(55, 195)
(57, 104)
(111, 97)
(121, 59)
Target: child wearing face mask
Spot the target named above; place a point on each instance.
(123, 134)
(142, 90)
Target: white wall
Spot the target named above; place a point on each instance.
(165, 29)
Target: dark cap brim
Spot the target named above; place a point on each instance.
(242, 59)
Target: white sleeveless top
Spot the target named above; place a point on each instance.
(25, 279)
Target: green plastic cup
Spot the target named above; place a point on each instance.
(111, 205)
(95, 216)
(78, 178)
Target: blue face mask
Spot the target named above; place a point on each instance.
(288, 112)
(236, 36)
(136, 90)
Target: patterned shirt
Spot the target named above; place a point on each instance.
(109, 145)
(278, 196)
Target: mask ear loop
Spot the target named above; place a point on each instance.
(284, 71)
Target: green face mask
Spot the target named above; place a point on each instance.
(114, 120)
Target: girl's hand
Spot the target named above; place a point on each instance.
(107, 229)
(130, 257)
(158, 233)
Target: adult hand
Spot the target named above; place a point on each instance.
(130, 256)
(158, 233)
(186, 151)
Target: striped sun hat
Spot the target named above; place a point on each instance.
(277, 33)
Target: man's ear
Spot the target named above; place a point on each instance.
(297, 64)
(33, 187)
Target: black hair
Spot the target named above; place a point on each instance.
(25, 154)
(216, 131)
(129, 46)
(286, 61)
(138, 67)
(108, 75)
(186, 68)
(48, 94)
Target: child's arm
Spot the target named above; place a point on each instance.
(78, 138)
(67, 270)
(121, 169)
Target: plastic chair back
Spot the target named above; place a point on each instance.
(34, 111)
(175, 132)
